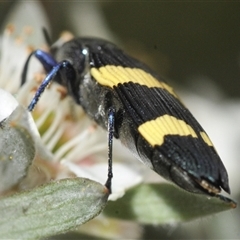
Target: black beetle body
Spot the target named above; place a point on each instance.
(149, 118)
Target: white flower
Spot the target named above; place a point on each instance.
(68, 137)
(8, 104)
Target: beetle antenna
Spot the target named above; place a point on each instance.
(25, 69)
(46, 36)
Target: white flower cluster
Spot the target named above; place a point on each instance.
(74, 141)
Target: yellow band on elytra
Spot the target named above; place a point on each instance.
(154, 131)
(206, 139)
(111, 75)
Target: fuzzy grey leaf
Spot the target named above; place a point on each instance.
(165, 203)
(17, 148)
(51, 209)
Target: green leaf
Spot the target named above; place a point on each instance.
(17, 148)
(51, 209)
(165, 203)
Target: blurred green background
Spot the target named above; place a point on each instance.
(180, 40)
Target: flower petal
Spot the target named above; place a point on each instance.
(7, 104)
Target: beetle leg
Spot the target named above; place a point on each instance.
(111, 119)
(56, 69)
(46, 60)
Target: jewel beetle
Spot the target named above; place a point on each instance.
(135, 105)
